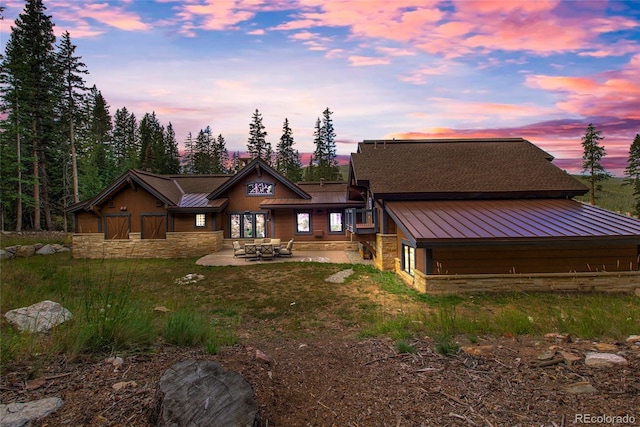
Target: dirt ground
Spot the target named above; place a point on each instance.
(333, 380)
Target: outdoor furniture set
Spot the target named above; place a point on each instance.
(262, 249)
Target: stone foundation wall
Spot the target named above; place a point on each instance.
(619, 282)
(386, 251)
(176, 245)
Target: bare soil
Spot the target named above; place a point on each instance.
(334, 380)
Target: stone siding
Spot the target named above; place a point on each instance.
(386, 251)
(619, 282)
(176, 245)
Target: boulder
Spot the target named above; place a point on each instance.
(4, 254)
(39, 317)
(46, 250)
(25, 251)
(203, 393)
(23, 414)
(604, 360)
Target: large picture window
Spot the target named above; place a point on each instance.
(408, 259)
(248, 225)
(303, 222)
(336, 222)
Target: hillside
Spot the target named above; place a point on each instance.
(615, 195)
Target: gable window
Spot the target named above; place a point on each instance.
(335, 222)
(303, 222)
(408, 259)
(201, 220)
(260, 188)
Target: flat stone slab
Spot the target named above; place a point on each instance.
(39, 317)
(22, 414)
(604, 360)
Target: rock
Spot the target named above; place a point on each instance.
(25, 251)
(547, 355)
(124, 384)
(22, 414)
(63, 249)
(263, 357)
(580, 388)
(604, 360)
(39, 317)
(633, 339)
(569, 357)
(161, 309)
(479, 350)
(605, 347)
(46, 250)
(203, 393)
(4, 254)
(340, 276)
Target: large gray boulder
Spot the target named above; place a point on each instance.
(202, 393)
(22, 414)
(39, 317)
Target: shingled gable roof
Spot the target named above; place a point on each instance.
(256, 163)
(460, 168)
(176, 191)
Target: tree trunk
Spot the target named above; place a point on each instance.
(46, 206)
(19, 175)
(36, 178)
(74, 162)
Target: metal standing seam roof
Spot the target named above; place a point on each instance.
(200, 200)
(443, 222)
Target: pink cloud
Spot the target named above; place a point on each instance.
(614, 93)
(112, 16)
(363, 61)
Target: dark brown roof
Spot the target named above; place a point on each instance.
(446, 222)
(464, 168)
(325, 195)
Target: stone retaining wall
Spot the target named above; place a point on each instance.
(176, 245)
(304, 246)
(620, 282)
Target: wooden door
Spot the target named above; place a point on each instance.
(116, 227)
(154, 227)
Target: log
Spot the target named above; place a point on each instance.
(203, 393)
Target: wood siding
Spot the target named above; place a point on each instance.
(535, 259)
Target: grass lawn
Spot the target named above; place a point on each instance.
(113, 303)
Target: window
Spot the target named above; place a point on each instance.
(303, 222)
(335, 222)
(248, 225)
(259, 188)
(201, 220)
(408, 259)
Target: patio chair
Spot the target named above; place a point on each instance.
(250, 251)
(287, 250)
(237, 250)
(267, 252)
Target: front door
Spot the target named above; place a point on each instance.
(248, 225)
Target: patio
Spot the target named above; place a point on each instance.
(225, 257)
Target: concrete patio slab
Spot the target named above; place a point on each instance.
(225, 257)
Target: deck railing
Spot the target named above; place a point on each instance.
(361, 221)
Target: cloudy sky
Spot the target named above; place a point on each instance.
(541, 70)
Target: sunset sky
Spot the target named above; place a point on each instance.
(541, 70)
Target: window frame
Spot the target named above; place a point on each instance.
(195, 220)
(270, 185)
(329, 223)
(297, 222)
(408, 258)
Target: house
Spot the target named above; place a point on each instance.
(435, 211)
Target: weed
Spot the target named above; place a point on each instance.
(186, 328)
(446, 346)
(402, 346)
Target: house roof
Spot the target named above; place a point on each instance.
(256, 164)
(451, 222)
(326, 195)
(459, 168)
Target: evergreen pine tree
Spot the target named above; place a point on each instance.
(152, 147)
(125, 141)
(203, 152)
(29, 68)
(591, 160)
(287, 158)
(171, 159)
(257, 145)
(632, 172)
(325, 152)
(221, 156)
(187, 160)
